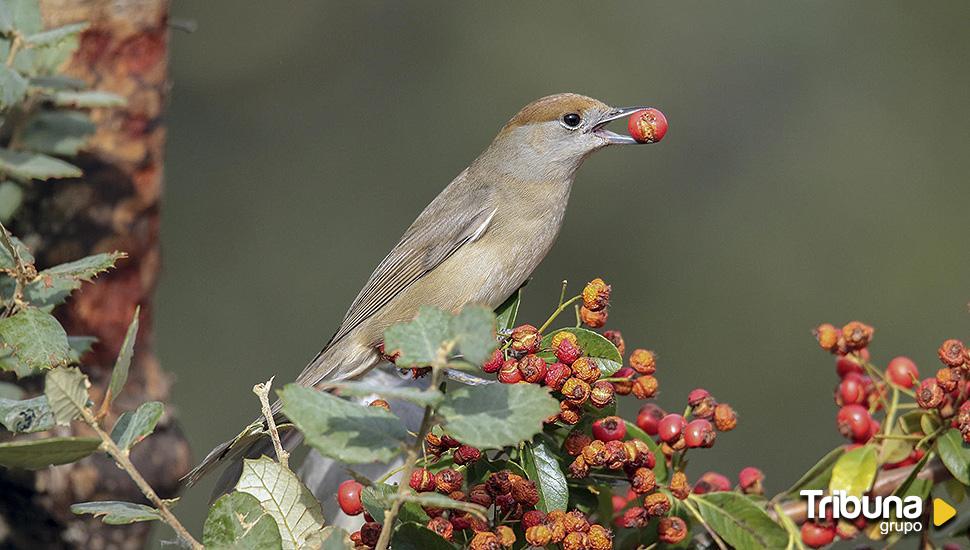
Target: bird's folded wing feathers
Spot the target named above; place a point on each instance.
(431, 240)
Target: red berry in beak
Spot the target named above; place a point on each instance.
(647, 126)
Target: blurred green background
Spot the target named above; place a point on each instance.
(815, 170)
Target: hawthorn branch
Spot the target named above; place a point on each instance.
(413, 452)
(262, 391)
(121, 457)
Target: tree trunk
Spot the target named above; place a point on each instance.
(115, 206)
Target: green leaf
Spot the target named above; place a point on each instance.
(28, 416)
(955, 454)
(132, 427)
(907, 487)
(818, 476)
(854, 471)
(87, 99)
(67, 392)
(34, 454)
(13, 87)
(6, 19)
(412, 536)
(473, 330)
(404, 393)
(506, 313)
(377, 498)
(86, 268)
(57, 132)
(11, 391)
(120, 373)
(237, 521)
(116, 512)
(660, 469)
(36, 338)
(496, 415)
(739, 521)
(52, 37)
(11, 196)
(79, 346)
(593, 344)
(6, 257)
(437, 500)
(342, 430)
(27, 166)
(543, 468)
(284, 497)
(420, 340)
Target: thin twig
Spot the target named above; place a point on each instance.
(562, 307)
(262, 391)
(412, 453)
(121, 457)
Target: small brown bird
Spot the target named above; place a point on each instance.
(476, 242)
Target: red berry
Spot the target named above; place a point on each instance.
(567, 352)
(494, 363)
(509, 373)
(854, 422)
(556, 376)
(422, 480)
(525, 339)
(670, 427)
(712, 482)
(649, 417)
(611, 428)
(750, 480)
(848, 363)
(851, 390)
(699, 433)
(647, 125)
(817, 536)
(902, 371)
(348, 496)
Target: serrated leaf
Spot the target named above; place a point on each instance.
(818, 476)
(51, 37)
(543, 468)
(13, 87)
(237, 521)
(377, 498)
(496, 415)
(119, 375)
(57, 132)
(6, 257)
(27, 166)
(79, 346)
(36, 338)
(86, 268)
(132, 427)
(419, 341)
(34, 454)
(955, 454)
(660, 468)
(413, 536)
(854, 471)
(284, 497)
(473, 330)
(11, 197)
(414, 395)
(343, 430)
(27, 416)
(739, 521)
(87, 99)
(67, 392)
(114, 512)
(594, 345)
(506, 313)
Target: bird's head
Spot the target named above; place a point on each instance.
(556, 133)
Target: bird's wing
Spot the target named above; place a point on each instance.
(431, 240)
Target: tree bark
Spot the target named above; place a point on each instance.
(114, 206)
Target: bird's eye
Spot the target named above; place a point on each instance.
(571, 121)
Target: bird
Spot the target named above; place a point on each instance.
(477, 242)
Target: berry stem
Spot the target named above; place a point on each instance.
(413, 451)
(891, 412)
(700, 519)
(262, 391)
(562, 307)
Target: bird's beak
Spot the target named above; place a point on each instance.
(599, 128)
